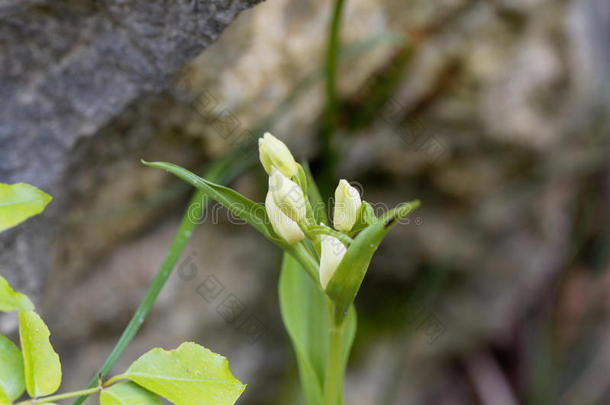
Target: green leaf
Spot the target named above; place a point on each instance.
(305, 315)
(251, 212)
(12, 379)
(128, 393)
(11, 300)
(304, 310)
(189, 375)
(246, 209)
(41, 363)
(349, 333)
(306, 259)
(18, 202)
(345, 282)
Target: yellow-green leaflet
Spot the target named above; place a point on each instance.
(11, 300)
(128, 393)
(41, 363)
(18, 202)
(188, 375)
(12, 382)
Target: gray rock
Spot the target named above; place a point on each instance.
(67, 68)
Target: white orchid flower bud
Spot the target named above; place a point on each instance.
(288, 196)
(273, 152)
(332, 252)
(285, 227)
(347, 205)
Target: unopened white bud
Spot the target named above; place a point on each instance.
(332, 252)
(288, 195)
(273, 152)
(285, 227)
(347, 206)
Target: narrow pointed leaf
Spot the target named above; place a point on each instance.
(391, 217)
(12, 378)
(41, 363)
(128, 393)
(11, 300)
(18, 202)
(188, 375)
(246, 209)
(251, 212)
(345, 282)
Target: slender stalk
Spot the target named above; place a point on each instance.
(331, 113)
(306, 259)
(194, 210)
(59, 397)
(114, 380)
(331, 63)
(333, 381)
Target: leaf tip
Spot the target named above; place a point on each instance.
(402, 211)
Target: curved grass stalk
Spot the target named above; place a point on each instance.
(194, 209)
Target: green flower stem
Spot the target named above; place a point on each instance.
(332, 56)
(306, 259)
(59, 397)
(326, 230)
(194, 210)
(311, 222)
(333, 381)
(331, 113)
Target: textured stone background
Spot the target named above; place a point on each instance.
(495, 117)
(67, 69)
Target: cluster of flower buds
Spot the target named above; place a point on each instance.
(287, 205)
(336, 257)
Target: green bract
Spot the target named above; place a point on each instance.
(347, 278)
(18, 202)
